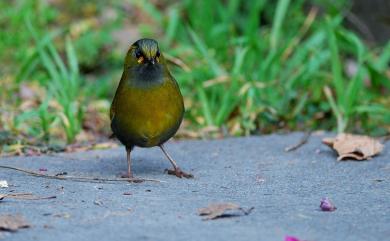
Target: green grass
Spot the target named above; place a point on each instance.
(255, 66)
(64, 85)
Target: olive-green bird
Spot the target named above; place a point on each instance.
(148, 107)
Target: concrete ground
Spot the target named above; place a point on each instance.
(285, 190)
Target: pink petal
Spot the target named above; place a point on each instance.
(291, 238)
(326, 205)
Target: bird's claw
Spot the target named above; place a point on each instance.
(179, 173)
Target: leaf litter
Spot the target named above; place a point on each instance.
(12, 223)
(357, 147)
(220, 210)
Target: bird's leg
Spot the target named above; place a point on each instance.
(129, 174)
(176, 169)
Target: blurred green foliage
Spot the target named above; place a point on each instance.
(285, 67)
(255, 66)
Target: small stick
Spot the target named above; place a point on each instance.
(178, 62)
(300, 143)
(79, 179)
(25, 196)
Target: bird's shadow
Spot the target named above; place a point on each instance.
(149, 165)
(139, 165)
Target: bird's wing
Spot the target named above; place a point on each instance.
(112, 108)
(112, 114)
(112, 111)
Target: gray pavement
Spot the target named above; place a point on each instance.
(284, 188)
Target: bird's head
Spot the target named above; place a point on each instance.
(145, 63)
(143, 52)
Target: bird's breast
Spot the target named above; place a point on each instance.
(148, 116)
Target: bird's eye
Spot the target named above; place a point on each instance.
(158, 53)
(139, 56)
(138, 53)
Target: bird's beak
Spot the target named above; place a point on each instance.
(152, 61)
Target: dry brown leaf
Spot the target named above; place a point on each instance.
(357, 147)
(12, 223)
(218, 210)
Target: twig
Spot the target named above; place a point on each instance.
(302, 32)
(300, 143)
(80, 179)
(218, 80)
(24, 196)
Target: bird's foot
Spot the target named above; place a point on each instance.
(179, 173)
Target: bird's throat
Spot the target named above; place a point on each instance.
(145, 75)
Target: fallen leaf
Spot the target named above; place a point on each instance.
(327, 205)
(3, 184)
(12, 223)
(354, 146)
(218, 210)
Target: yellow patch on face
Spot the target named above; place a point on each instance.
(158, 59)
(140, 60)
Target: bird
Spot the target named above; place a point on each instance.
(148, 107)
